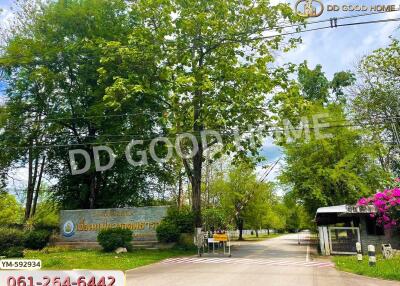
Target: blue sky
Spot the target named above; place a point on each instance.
(336, 49)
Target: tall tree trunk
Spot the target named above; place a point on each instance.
(92, 195)
(240, 226)
(180, 191)
(29, 194)
(38, 184)
(92, 176)
(196, 186)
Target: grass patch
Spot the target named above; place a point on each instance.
(260, 237)
(94, 259)
(386, 269)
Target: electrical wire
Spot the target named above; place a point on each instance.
(276, 28)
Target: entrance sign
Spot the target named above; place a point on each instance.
(84, 225)
(220, 237)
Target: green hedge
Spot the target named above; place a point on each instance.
(167, 232)
(111, 239)
(15, 252)
(37, 239)
(176, 222)
(10, 238)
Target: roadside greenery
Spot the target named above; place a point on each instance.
(177, 222)
(55, 258)
(13, 240)
(385, 268)
(11, 211)
(82, 73)
(330, 166)
(111, 239)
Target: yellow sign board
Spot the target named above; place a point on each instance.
(220, 237)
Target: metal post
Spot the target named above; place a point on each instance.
(359, 253)
(371, 254)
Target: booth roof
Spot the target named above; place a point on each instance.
(333, 209)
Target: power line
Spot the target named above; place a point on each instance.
(174, 136)
(271, 29)
(329, 27)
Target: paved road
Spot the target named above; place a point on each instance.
(275, 262)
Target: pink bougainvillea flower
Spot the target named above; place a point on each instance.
(387, 205)
(362, 202)
(396, 192)
(397, 180)
(379, 203)
(379, 196)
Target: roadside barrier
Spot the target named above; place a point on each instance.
(371, 255)
(359, 252)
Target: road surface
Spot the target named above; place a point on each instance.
(275, 262)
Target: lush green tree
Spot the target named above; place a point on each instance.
(10, 210)
(313, 82)
(259, 206)
(55, 102)
(333, 168)
(215, 218)
(376, 102)
(241, 199)
(328, 161)
(211, 69)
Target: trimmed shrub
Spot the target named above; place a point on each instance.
(14, 252)
(176, 222)
(183, 219)
(9, 238)
(167, 232)
(37, 239)
(49, 227)
(111, 239)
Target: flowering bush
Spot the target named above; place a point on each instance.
(387, 204)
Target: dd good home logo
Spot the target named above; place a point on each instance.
(309, 8)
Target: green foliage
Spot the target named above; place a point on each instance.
(183, 219)
(314, 84)
(10, 238)
(67, 259)
(167, 231)
(215, 218)
(333, 167)
(377, 97)
(244, 201)
(177, 222)
(53, 68)
(37, 239)
(332, 170)
(186, 241)
(208, 67)
(46, 216)
(384, 269)
(10, 210)
(111, 239)
(14, 252)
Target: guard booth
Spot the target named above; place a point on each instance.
(341, 227)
